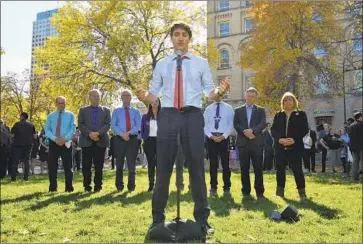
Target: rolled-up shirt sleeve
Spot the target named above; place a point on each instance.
(207, 80)
(157, 80)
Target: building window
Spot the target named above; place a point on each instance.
(358, 80)
(223, 5)
(248, 25)
(224, 29)
(247, 3)
(320, 52)
(357, 43)
(322, 88)
(224, 59)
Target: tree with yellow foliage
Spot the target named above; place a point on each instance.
(291, 48)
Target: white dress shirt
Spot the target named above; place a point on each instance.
(197, 78)
(153, 128)
(226, 115)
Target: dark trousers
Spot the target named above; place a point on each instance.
(216, 150)
(150, 152)
(20, 153)
(65, 153)
(309, 156)
(323, 158)
(268, 160)
(129, 149)
(192, 141)
(282, 159)
(246, 154)
(92, 155)
(77, 159)
(4, 152)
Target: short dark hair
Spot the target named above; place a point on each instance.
(350, 120)
(181, 25)
(24, 115)
(357, 115)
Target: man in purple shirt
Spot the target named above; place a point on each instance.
(94, 122)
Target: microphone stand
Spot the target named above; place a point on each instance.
(178, 163)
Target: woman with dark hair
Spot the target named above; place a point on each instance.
(149, 129)
(289, 127)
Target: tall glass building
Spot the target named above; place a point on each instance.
(42, 29)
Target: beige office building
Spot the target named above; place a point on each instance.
(229, 26)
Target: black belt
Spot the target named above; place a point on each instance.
(186, 109)
(217, 134)
(132, 136)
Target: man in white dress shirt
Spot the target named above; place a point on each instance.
(182, 84)
(218, 118)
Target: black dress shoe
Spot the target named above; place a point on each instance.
(70, 189)
(151, 188)
(52, 190)
(26, 178)
(207, 229)
(98, 189)
(154, 223)
(260, 196)
(120, 189)
(88, 189)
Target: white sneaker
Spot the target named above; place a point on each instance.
(306, 171)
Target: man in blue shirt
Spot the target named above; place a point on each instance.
(59, 128)
(125, 123)
(218, 118)
(182, 78)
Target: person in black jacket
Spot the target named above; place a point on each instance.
(289, 127)
(356, 143)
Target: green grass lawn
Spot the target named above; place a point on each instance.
(333, 212)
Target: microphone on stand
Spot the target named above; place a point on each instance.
(178, 59)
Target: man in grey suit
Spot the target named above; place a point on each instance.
(94, 122)
(249, 121)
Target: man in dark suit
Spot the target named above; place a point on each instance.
(23, 132)
(268, 158)
(356, 143)
(93, 122)
(249, 121)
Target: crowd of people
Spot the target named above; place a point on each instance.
(226, 134)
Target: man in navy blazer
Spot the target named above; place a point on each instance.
(249, 122)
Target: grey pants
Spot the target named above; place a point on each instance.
(192, 141)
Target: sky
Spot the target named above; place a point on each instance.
(16, 32)
(17, 19)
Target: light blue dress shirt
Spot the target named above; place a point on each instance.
(226, 114)
(197, 78)
(67, 129)
(249, 113)
(118, 121)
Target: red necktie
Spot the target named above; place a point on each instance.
(128, 121)
(179, 101)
